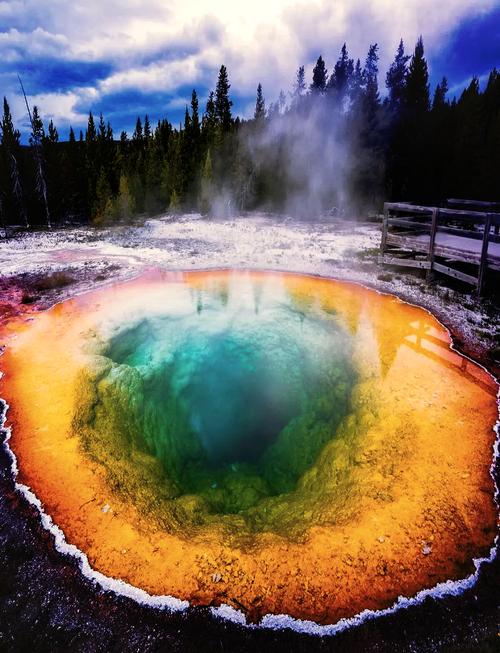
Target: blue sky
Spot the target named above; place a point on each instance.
(472, 49)
(126, 58)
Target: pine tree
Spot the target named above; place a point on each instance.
(10, 138)
(396, 79)
(74, 190)
(196, 149)
(79, 205)
(320, 76)
(91, 161)
(222, 102)
(368, 174)
(101, 130)
(123, 151)
(340, 80)
(491, 124)
(260, 105)
(137, 164)
(440, 95)
(91, 135)
(357, 86)
(414, 130)
(416, 93)
(10, 135)
(492, 96)
(53, 159)
(274, 111)
(195, 117)
(187, 120)
(468, 170)
(370, 75)
(427, 154)
(210, 117)
(37, 130)
(138, 135)
(36, 138)
(147, 128)
(124, 205)
(299, 87)
(440, 143)
(53, 134)
(175, 203)
(102, 209)
(206, 185)
(101, 160)
(186, 166)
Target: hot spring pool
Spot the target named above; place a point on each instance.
(275, 442)
(234, 399)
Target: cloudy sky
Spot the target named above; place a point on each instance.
(129, 57)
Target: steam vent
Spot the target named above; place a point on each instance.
(278, 443)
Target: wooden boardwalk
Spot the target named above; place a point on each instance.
(458, 242)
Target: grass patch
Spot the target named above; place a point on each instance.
(370, 253)
(53, 281)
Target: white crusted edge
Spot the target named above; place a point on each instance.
(224, 611)
(115, 585)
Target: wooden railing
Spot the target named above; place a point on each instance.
(412, 237)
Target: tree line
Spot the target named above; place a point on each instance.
(331, 142)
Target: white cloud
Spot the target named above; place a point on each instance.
(164, 76)
(17, 46)
(10, 9)
(59, 107)
(163, 44)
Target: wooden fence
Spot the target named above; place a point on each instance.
(443, 239)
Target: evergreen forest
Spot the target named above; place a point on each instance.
(338, 142)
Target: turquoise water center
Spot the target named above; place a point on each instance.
(232, 389)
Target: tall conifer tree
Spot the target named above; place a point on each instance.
(260, 105)
(222, 102)
(320, 77)
(416, 93)
(396, 78)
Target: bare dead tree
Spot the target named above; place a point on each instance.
(41, 184)
(17, 188)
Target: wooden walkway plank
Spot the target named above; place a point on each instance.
(420, 230)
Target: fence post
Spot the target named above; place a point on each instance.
(483, 264)
(432, 241)
(385, 225)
